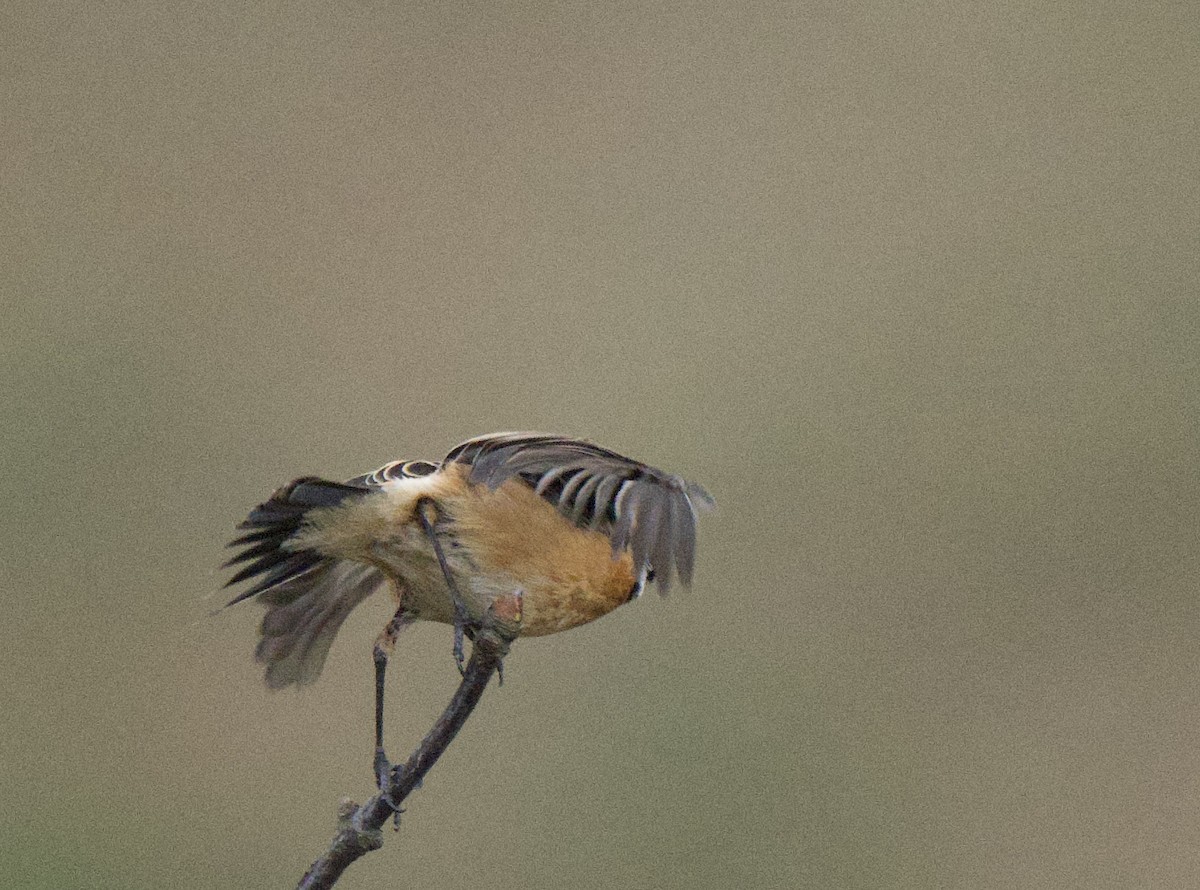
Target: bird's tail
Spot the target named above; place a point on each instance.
(307, 594)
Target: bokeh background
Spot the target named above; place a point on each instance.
(912, 288)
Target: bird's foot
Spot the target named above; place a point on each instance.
(387, 779)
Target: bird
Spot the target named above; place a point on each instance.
(569, 529)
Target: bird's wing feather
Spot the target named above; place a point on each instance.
(397, 469)
(641, 508)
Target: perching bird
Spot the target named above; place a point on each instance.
(571, 529)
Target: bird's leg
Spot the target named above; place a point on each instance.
(384, 646)
(492, 638)
(505, 614)
(425, 510)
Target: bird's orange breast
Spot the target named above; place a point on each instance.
(518, 541)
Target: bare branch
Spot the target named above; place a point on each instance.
(360, 827)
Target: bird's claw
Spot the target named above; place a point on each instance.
(388, 779)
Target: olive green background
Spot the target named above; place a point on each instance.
(912, 288)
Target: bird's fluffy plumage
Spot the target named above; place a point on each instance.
(315, 549)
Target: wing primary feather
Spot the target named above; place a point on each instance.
(548, 479)
(619, 502)
(684, 537)
(623, 524)
(651, 532)
(698, 495)
(583, 499)
(566, 498)
(605, 490)
(634, 503)
(641, 509)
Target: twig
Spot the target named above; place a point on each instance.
(360, 827)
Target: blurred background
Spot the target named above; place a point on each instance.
(911, 288)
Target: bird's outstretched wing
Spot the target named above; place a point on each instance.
(649, 511)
